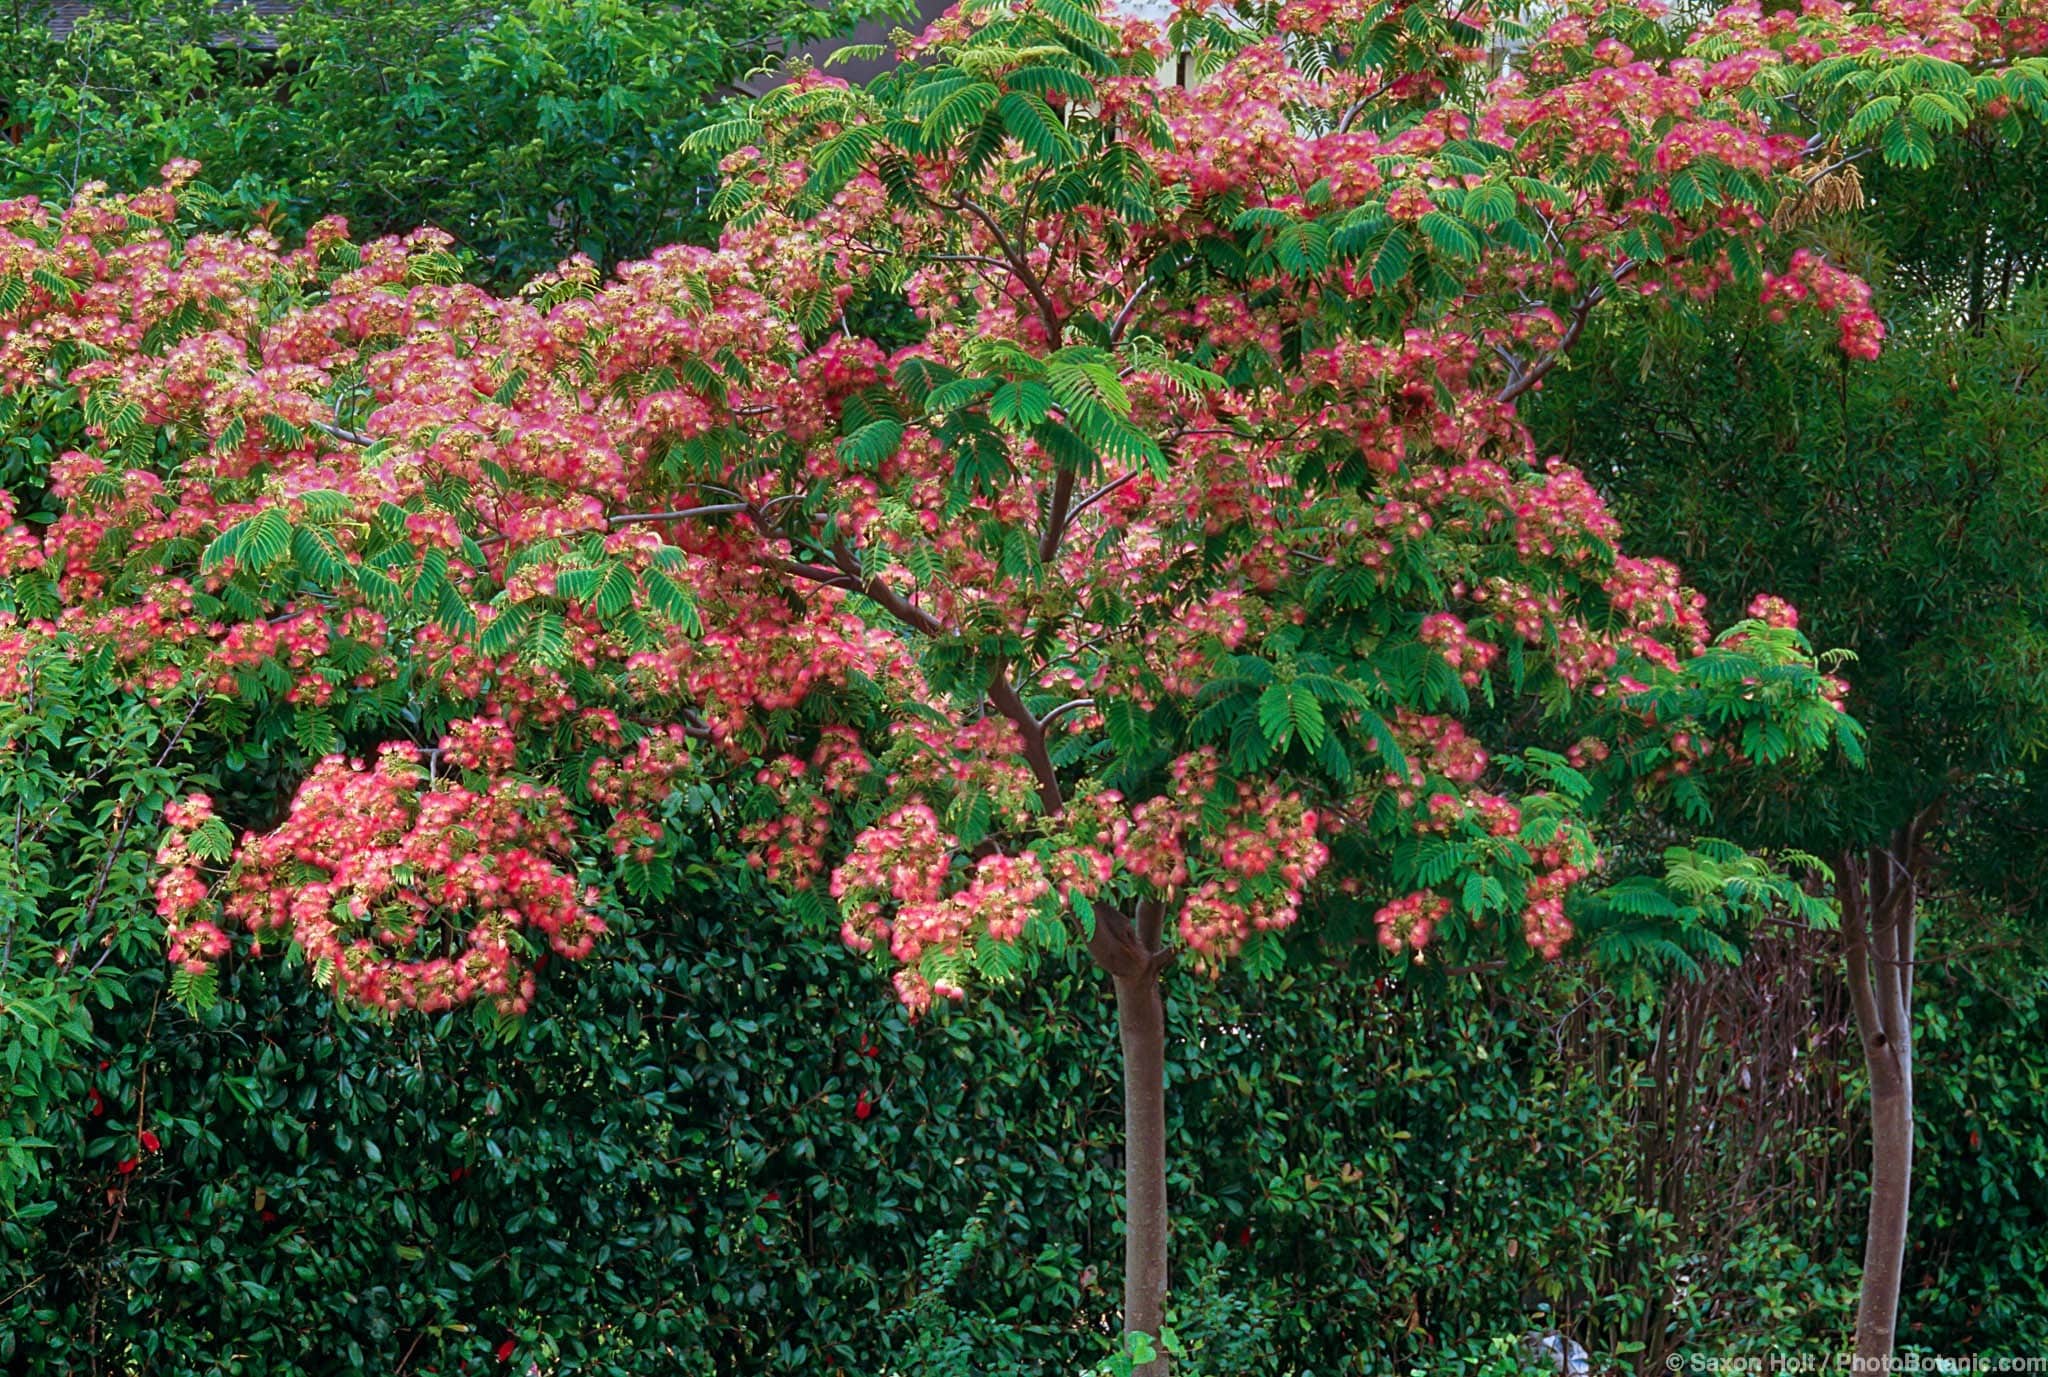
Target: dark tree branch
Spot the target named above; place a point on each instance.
(981, 259)
(1056, 516)
(1521, 380)
(900, 607)
(1004, 696)
(351, 437)
(1123, 317)
(716, 509)
(1105, 490)
(1019, 265)
(1071, 705)
(815, 573)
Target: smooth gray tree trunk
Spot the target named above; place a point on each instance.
(1878, 889)
(1131, 950)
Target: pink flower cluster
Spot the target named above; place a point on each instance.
(1438, 745)
(413, 897)
(1773, 611)
(1464, 652)
(1543, 922)
(892, 888)
(1809, 280)
(635, 786)
(194, 942)
(790, 846)
(1152, 843)
(483, 744)
(1411, 920)
(1254, 873)
(905, 859)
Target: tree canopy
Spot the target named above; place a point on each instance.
(1064, 508)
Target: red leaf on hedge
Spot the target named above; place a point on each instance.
(150, 1142)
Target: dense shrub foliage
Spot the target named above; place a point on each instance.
(738, 1157)
(528, 131)
(84, 776)
(1977, 1279)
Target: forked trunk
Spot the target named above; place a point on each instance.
(1878, 889)
(1131, 947)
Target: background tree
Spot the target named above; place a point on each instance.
(528, 133)
(1899, 500)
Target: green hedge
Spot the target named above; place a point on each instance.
(667, 1169)
(1977, 1260)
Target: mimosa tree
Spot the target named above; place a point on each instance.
(1066, 510)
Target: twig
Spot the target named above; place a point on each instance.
(92, 903)
(352, 437)
(1071, 705)
(1019, 265)
(716, 509)
(1582, 309)
(1105, 490)
(141, 1107)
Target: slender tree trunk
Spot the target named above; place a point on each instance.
(1141, 1026)
(1974, 313)
(1878, 890)
(1132, 948)
(1132, 953)
(1884, 1249)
